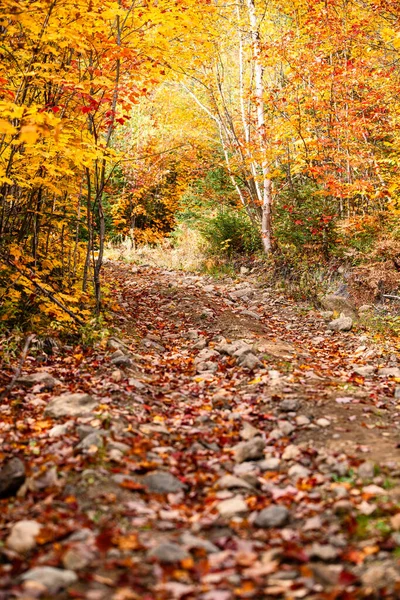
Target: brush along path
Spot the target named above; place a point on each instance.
(226, 445)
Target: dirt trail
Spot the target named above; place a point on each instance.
(230, 449)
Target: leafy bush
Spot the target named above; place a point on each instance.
(231, 232)
(305, 219)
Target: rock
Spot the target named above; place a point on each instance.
(248, 432)
(389, 372)
(77, 558)
(168, 553)
(228, 482)
(365, 308)
(162, 482)
(364, 371)
(291, 452)
(324, 552)
(93, 440)
(70, 405)
(59, 430)
(205, 356)
(302, 420)
(117, 375)
(327, 314)
(286, 427)
(379, 576)
(366, 470)
(313, 524)
(270, 464)
(241, 293)
(251, 450)
(298, 472)
(343, 323)
(250, 313)
(201, 344)
(23, 536)
(339, 304)
(273, 516)
(51, 578)
(207, 367)
(323, 422)
(249, 361)
(12, 476)
(41, 378)
(244, 270)
(343, 507)
(327, 575)
(122, 361)
(193, 542)
(232, 506)
(374, 490)
(289, 405)
(397, 392)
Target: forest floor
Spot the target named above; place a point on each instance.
(225, 446)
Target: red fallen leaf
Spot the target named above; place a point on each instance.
(293, 552)
(104, 541)
(132, 485)
(347, 578)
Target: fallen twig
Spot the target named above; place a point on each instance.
(390, 297)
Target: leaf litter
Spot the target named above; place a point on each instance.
(223, 446)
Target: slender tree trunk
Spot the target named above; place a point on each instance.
(266, 225)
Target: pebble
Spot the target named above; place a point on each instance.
(77, 558)
(51, 578)
(289, 405)
(298, 472)
(248, 432)
(302, 420)
(270, 464)
(273, 516)
(251, 450)
(286, 427)
(192, 542)
(324, 552)
(162, 482)
(366, 470)
(232, 507)
(23, 536)
(168, 553)
(323, 422)
(70, 405)
(228, 482)
(291, 452)
(93, 440)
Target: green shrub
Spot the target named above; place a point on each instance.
(230, 233)
(305, 219)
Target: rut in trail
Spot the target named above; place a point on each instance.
(225, 445)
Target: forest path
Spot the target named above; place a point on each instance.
(229, 448)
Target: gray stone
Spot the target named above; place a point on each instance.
(339, 304)
(232, 507)
(251, 450)
(389, 372)
(270, 464)
(201, 344)
(162, 482)
(366, 470)
(23, 536)
(364, 370)
(59, 430)
(193, 542)
(343, 323)
(168, 553)
(122, 361)
(41, 378)
(302, 420)
(51, 578)
(381, 575)
(95, 439)
(228, 482)
(298, 472)
(286, 427)
(70, 405)
(291, 452)
(323, 423)
(248, 432)
(77, 558)
(289, 405)
(12, 476)
(249, 361)
(273, 516)
(207, 367)
(324, 552)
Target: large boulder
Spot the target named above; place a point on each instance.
(339, 304)
(70, 405)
